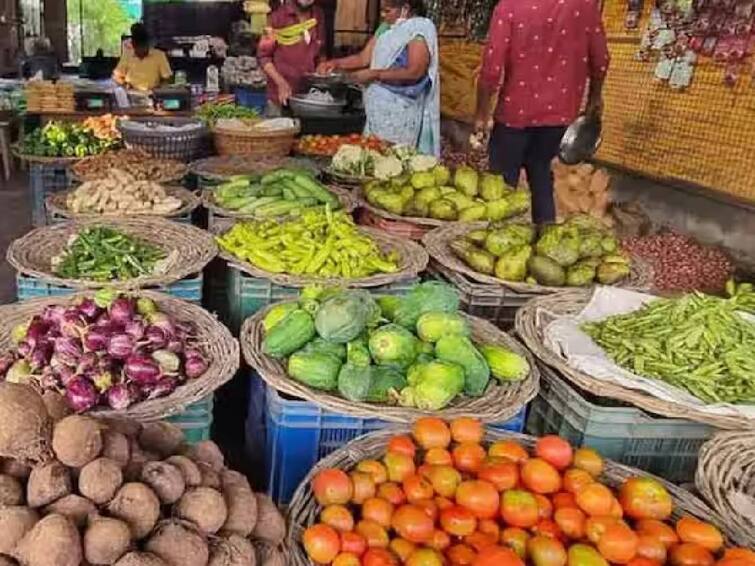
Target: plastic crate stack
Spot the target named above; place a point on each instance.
(45, 179)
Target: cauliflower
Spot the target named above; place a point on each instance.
(420, 163)
(350, 159)
(386, 167)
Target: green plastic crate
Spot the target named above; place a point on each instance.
(195, 421)
(245, 295)
(662, 446)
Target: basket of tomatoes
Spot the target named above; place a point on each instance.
(328, 146)
(457, 494)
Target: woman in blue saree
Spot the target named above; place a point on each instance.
(399, 67)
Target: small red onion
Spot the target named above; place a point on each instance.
(89, 310)
(120, 347)
(163, 387)
(87, 361)
(122, 310)
(163, 322)
(68, 350)
(73, 324)
(64, 374)
(37, 329)
(175, 346)
(141, 370)
(39, 359)
(25, 348)
(135, 329)
(96, 340)
(81, 394)
(195, 366)
(119, 397)
(155, 337)
(53, 314)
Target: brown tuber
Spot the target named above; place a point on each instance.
(203, 506)
(47, 483)
(15, 522)
(206, 452)
(25, 426)
(270, 526)
(53, 541)
(190, 471)
(16, 469)
(210, 478)
(138, 505)
(7, 561)
(179, 544)
(56, 405)
(140, 559)
(115, 446)
(241, 503)
(11, 491)
(232, 551)
(162, 438)
(166, 480)
(105, 541)
(76, 508)
(127, 427)
(77, 440)
(99, 480)
(268, 555)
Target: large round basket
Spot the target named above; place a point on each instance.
(304, 511)
(726, 479)
(208, 201)
(182, 143)
(395, 227)
(500, 403)
(531, 322)
(44, 160)
(416, 220)
(188, 250)
(140, 164)
(214, 339)
(220, 168)
(57, 206)
(413, 260)
(437, 242)
(346, 179)
(257, 143)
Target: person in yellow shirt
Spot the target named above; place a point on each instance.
(145, 67)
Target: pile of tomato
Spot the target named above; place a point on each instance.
(327, 146)
(440, 497)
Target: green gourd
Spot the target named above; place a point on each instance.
(315, 369)
(460, 350)
(289, 335)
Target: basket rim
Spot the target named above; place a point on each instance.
(722, 462)
(175, 178)
(215, 339)
(500, 402)
(424, 222)
(303, 509)
(413, 257)
(259, 134)
(436, 244)
(198, 167)
(55, 203)
(29, 158)
(528, 327)
(197, 248)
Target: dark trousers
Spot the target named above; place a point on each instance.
(531, 149)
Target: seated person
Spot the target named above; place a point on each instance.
(144, 69)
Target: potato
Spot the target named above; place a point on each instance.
(56, 405)
(7, 561)
(53, 541)
(241, 503)
(206, 452)
(162, 438)
(210, 478)
(203, 506)
(100, 479)
(77, 440)
(179, 544)
(76, 508)
(11, 491)
(24, 423)
(15, 522)
(140, 559)
(126, 427)
(133, 470)
(270, 526)
(138, 505)
(268, 555)
(232, 551)
(16, 469)
(115, 446)
(47, 483)
(191, 472)
(166, 480)
(105, 541)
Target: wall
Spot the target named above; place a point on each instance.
(8, 36)
(56, 26)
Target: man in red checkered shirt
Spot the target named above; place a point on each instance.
(542, 54)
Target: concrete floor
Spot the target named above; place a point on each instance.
(15, 221)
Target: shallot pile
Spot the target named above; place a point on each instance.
(682, 264)
(111, 350)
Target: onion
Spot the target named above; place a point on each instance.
(119, 397)
(87, 362)
(141, 370)
(195, 366)
(121, 346)
(81, 395)
(163, 322)
(145, 306)
(155, 337)
(68, 350)
(135, 329)
(122, 310)
(73, 324)
(96, 340)
(53, 314)
(175, 346)
(64, 373)
(37, 329)
(24, 348)
(89, 310)
(48, 379)
(163, 387)
(167, 360)
(39, 358)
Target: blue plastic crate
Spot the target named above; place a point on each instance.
(251, 98)
(298, 434)
(189, 289)
(195, 421)
(45, 179)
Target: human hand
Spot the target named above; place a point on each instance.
(326, 67)
(364, 76)
(284, 92)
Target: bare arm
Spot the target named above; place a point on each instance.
(353, 62)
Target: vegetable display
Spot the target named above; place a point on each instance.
(699, 343)
(119, 492)
(576, 253)
(413, 351)
(104, 127)
(442, 495)
(108, 351)
(278, 193)
(137, 163)
(328, 146)
(119, 193)
(359, 161)
(438, 193)
(582, 189)
(63, 139)
(211, 112)
(319, 243)
(103, 254)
